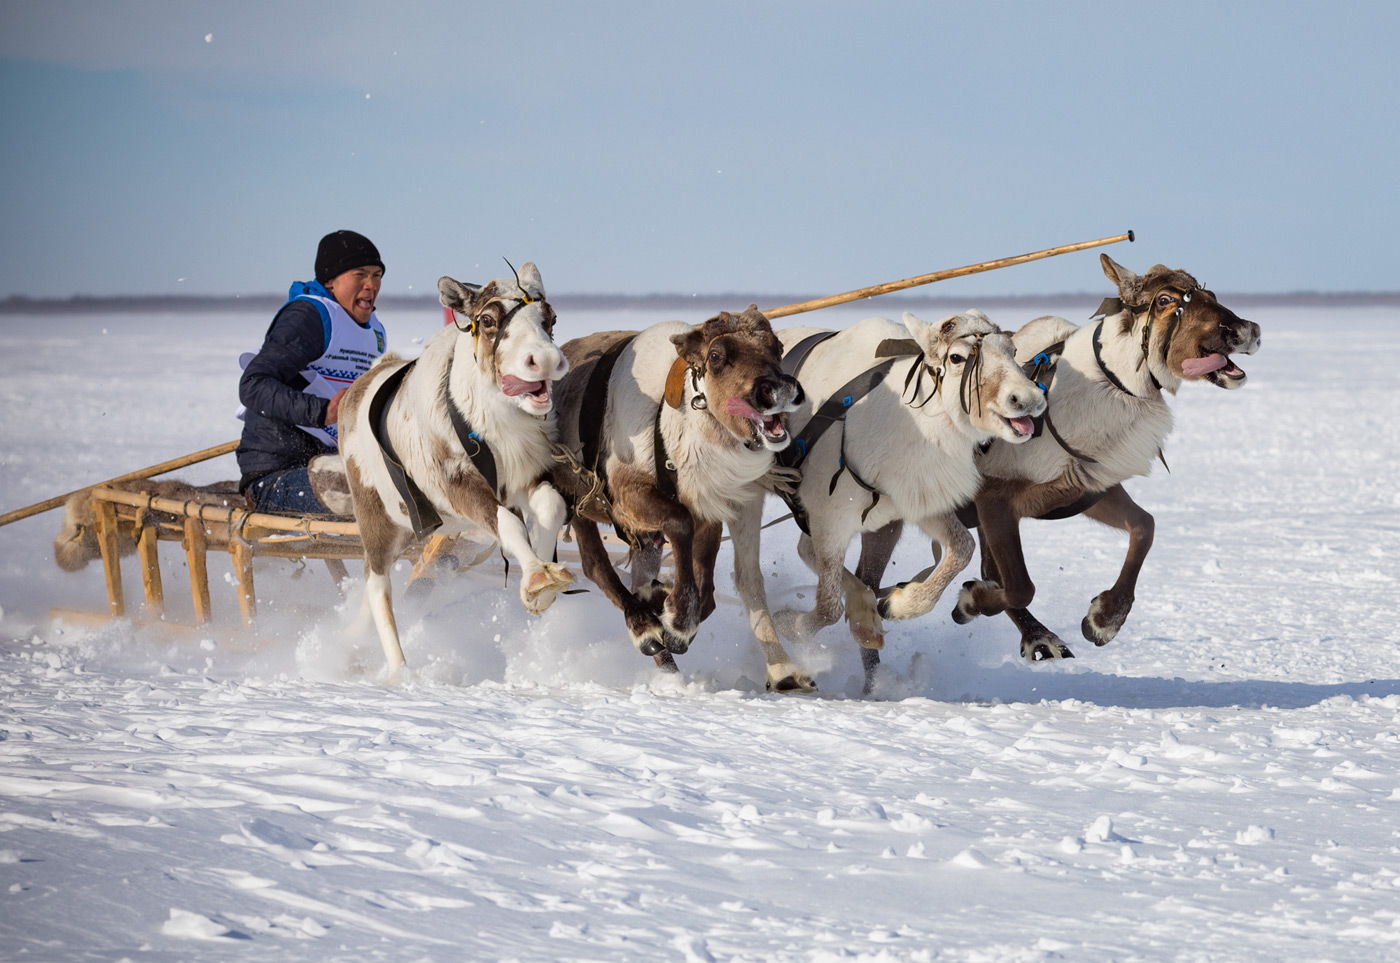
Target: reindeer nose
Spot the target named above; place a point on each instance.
(765, 392)
(776, 392)
(1024, 400)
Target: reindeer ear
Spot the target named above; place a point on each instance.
(530, 281)
(690, 346)
(456, 295)
(929, 335)
(1129, 284)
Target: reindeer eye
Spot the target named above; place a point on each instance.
(716, 357)
(1164, 300)
(956, 359)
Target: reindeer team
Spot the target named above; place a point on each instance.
(672, 433)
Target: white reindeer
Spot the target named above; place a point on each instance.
(903, 450)
(468, 429)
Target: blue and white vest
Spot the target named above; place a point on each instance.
(351, 349)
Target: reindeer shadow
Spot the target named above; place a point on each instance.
(1012, 682)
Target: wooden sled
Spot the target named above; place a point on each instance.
(244, 535)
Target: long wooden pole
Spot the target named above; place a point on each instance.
(914, 282)
(782, 312)
(162, 468)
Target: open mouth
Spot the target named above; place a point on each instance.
(1022, 426)
(1215, 364)
(770, 429)
(364, 304)
(535, 392)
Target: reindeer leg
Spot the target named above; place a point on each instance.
(863, 608)
(780, 672)
(382, 541)
(824, 554)
(913, 599)
(547, 516)
(999, 528)
(646, 572)
(643, 625)
(708, 536)
(381, 550)
(682, 613)
(1038, 643)
(1109, 610)
(540, 581)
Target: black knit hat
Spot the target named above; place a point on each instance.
(342, 251)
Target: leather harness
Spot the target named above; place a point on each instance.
(422, 516)
(592, 410)
(832, 411)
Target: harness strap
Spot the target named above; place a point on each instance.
(796, 356)
(833, 410)
(422, 516)
(594, 404)
(1070, 449)
(1098, 356)
(473, 444)
(666, 482)
(844, 466)
(1041, 370)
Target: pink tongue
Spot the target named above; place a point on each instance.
(1195, 367)
(1023, 426)
(512, 386)
(742, 409)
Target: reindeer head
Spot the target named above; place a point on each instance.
(1186, 333)
(737, 362)
(974, 368)
(512, 329)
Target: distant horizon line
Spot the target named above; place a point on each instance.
(730, 300)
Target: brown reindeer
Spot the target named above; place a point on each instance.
(673, 430)
(1106, 421)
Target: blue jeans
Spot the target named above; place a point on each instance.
(287, 491)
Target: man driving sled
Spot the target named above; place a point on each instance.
(320, 341)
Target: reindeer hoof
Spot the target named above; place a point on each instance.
(1102, 623)
(966, 608)
(539, 590)
(665, 663)
(1096, 635)
(650, 646)
(1043, 650)
(863, 615)
(891, 604)
(797, 682)
(677, 645)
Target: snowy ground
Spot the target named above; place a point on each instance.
(1222, 782)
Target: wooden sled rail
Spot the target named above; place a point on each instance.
(243, 534)
(199, 527)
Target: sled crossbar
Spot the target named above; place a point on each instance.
(243, 535)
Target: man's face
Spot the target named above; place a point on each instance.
(357, 289)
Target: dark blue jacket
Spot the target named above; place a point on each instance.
(271, 389)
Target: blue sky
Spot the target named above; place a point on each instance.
(807, 148)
